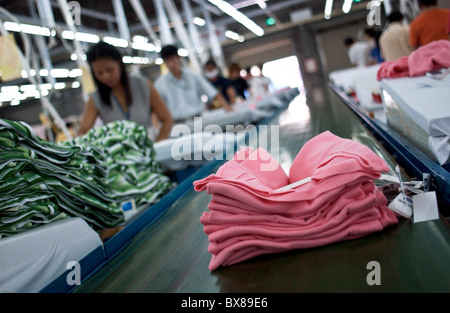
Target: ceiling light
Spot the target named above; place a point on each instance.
(27, 28)
(199, 21)
(238, 16)
(183, 52)
(59, 72)
(235, 36)
(86, 37)
(347, 6)
(262, 4)
(328, 9)
(143, 46)
(118, 42)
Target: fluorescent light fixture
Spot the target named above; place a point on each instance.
(60, 72)
(43, 72)
(10, 89)
(67, 34)
(183, 52)
(135, 60)
(347, 6)
(140, 39)
(238, 16)
(45, 86)
(146, 46)
(31, 94)
(159, 61)
(76, 85)
(76, 72)
(25, 88)
(262, 4)
(199, 21)
(328, 9)
(27, 28)
(235, 36)
(59, 85)
(11, 26)
(80, 36)
(118, 42)
(5, 97)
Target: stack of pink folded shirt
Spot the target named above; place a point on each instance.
(254, 211)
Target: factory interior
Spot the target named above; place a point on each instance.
(199, 148)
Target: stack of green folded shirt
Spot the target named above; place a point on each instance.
(88, 177)
(130, 158)
(41, 182)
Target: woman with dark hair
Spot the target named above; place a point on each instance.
(119, 96)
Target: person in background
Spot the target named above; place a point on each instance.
(372, 38)
(120, 96)
(429, 25)
(259, 84)
(448, 25)
(358, 52)
(394, 41)
(182, 89)
(223, 84)
(240, 84)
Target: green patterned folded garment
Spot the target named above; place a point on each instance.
(133, 172)
(87, 177)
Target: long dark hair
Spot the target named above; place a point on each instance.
(103, 50)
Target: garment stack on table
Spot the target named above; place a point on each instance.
(133, 171)
(329, 196)
(42, 182)
(89, 177)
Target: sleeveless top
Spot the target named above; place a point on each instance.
(138, 112)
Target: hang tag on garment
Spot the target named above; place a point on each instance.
(425, 207)
(389, 189)
(402, 205)
(128, 208)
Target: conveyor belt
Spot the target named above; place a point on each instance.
(171, 255)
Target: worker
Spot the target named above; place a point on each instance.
(223, 84)
(120, 96)
(182, 89)
(429, 25)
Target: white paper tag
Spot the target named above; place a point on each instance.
(425, 207)
(296, 184)
(389, 178)
(402, 205)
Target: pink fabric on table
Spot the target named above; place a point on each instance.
(394, 69)
(433, 56)
(248, 216)
(330, 161)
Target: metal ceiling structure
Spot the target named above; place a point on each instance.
(124, 19)
(100, 16)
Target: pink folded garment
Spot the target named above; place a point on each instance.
(394, 69)
(351, 200)
(338, 213)
(247, 247)
(431, 57)
(329, 160)
(248, 216)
